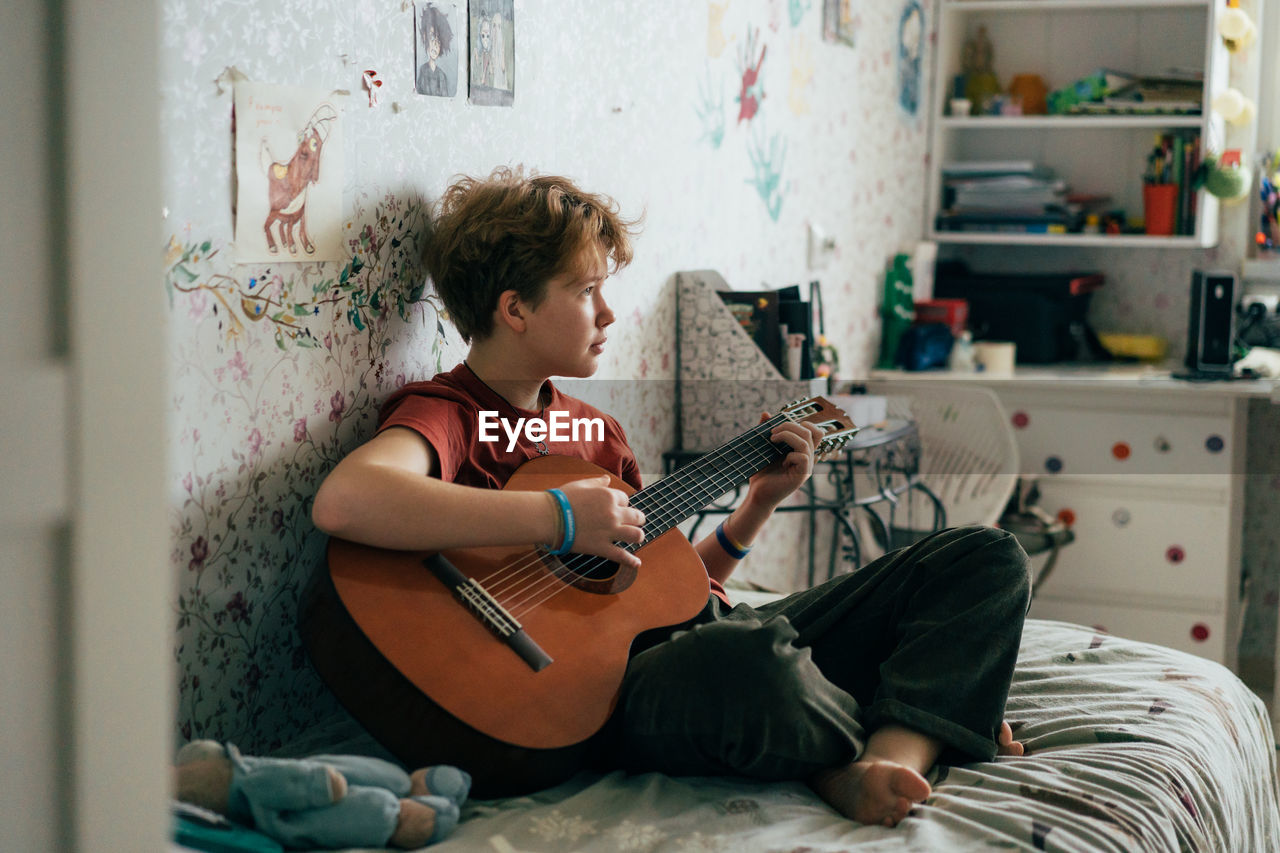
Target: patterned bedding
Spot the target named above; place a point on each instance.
(1131, 747)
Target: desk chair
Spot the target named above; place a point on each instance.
(969, 458)
(969, 462)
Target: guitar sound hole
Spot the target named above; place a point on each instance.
(591, 574)
(597, 570)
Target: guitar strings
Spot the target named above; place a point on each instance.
(742, 462)
(515, 572)
(659, 517)
(658, 491)
(550, 585)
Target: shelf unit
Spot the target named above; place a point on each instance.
(1063, 41)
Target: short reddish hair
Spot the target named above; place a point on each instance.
(511, 232)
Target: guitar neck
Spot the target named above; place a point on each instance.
(681, 495)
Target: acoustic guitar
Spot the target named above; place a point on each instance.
(506, 660)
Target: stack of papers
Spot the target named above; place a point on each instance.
(1004, 195)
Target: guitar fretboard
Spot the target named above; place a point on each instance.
(677, 497)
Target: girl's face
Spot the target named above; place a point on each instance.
(433, 46)
(485, 39)
(565, 335)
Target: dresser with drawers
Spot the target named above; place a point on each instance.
(1148, 472)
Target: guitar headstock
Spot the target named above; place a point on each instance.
(837, 428)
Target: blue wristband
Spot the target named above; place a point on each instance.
(566, 516)
(730, 547)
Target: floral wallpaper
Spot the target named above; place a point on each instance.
(729, 126)
(286, 368)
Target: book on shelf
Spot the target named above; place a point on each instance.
(991, 168)
(1004, 195)
(1125, 106)
(1188, 197)
(767, 315)
(795, 317)
(1009, 222)
(998, 196)
(757, 313)
(1162, 89)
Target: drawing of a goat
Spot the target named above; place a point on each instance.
(287, 183)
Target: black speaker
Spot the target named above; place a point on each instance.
(1212, 326)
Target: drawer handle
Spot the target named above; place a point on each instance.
(1175, 554)
(1214, 444)
(1121, 450)
(1067, 516)
(1020, 420)
(1053, 464)
(1199, 632)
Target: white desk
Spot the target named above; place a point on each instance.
(1142, 465)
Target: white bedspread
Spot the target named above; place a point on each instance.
(1131, 747)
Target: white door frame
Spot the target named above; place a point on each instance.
(83, 517)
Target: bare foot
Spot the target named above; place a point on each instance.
(1006, 745)
(872, 791)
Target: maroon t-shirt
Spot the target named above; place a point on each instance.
(445, 410)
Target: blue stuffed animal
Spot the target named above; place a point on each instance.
(325, 800)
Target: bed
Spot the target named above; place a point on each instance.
(1131, 747)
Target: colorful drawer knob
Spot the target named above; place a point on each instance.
(1199, 632)
(1214, 444)
(1121, 517)
(1053, 464)
(1175, 554)
(1121, 450)
(1067, 516)
(1020, 420)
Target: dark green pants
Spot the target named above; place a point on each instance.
(926, 637)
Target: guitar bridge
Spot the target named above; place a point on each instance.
(486, 608)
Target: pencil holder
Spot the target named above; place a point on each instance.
(1159, 207)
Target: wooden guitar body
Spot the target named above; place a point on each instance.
(431, 682)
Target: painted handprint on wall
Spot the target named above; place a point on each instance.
(752, 89)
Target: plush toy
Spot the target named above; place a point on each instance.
(325, 800)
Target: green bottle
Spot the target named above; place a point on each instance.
(898, 310)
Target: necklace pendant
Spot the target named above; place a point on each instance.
(542, 448)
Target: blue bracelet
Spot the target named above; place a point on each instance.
(566, 516)
(730, 547)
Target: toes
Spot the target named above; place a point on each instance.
(910, 785)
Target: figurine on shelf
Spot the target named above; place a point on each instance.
(981, 84)
(1031, 91)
